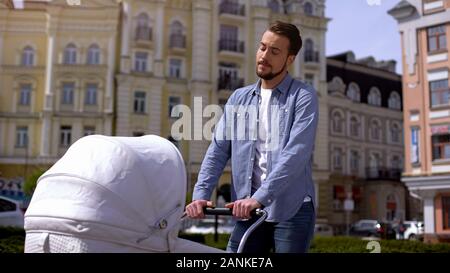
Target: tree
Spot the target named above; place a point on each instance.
(31, 182)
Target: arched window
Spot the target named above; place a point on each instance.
(394, 101)
(308, 9)
(143, 30)
(374, 97)
(177, 39)
(353, 92)
(375, 129)
(395, 133)
(93, 56)
(70, 54)
(354, 127)
(337, 122)
(274, 6)
(310, 55)
(27, 58)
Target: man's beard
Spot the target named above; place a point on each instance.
(270, 75)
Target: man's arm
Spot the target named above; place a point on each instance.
(217, 156)
(297, 152)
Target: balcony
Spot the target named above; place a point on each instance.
(311, 56)
(177, 41)
(227, 7)
(383, 173)
(227, 83)
(231, 45)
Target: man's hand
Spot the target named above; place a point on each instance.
(242, 208)
(195, 208)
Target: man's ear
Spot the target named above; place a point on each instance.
(291, 59)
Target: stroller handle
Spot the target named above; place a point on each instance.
(228, 211)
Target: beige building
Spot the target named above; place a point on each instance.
(425, 30)
(57, 65)
(365, 142)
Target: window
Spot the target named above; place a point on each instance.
(139, 102)
(394, 101)
(309, 79)
(140, 61)
(354, 162)
(375, 129)
(308, 8)
(89, 130)
(177, 39)
(93, 55)
(337, 159)
(229, 39)
(25, 94)
(354, 127)
(391, 207)
(143, 30)
(27, 56)
(353, 92)
(175, 68)
(396, 162)
(274, 6)
(436, 38)
(91, 94)
(229, 76)
(441, 146)
(173, 101)
(310, 54)
(395, 133)
(21, 137)
(415, 159)
(67, 93)
(337, 122)
(70, 54)
(439, 93)
(374, 97)
(446, 212)
(5, 205)
(65, 136)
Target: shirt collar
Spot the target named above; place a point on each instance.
(282, 87)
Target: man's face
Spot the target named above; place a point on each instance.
(272, 57)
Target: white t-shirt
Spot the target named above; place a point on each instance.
(260, 164)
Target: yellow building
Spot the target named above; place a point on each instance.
(197, 53)
(57, 65)
(118, 67)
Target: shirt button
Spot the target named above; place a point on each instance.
(252, 159)
(269, 200)
(249, 177)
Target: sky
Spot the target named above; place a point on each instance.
(364, 27)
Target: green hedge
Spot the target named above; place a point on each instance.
(12, 241)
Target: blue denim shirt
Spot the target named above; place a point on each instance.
(289, 164)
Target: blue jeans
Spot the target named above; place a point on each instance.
(291, 236)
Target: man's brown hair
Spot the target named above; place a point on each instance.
(291, 32)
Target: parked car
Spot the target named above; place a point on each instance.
(11, 213)
(324, 230)
(373, 228)
(412, 230)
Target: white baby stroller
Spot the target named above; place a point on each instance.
(111, 194)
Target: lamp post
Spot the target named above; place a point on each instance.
(349, 206)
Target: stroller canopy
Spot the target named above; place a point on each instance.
(129, 191)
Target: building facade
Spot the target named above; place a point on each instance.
(365, 142)
(425, 29)
(57, 68)
(196, 53)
